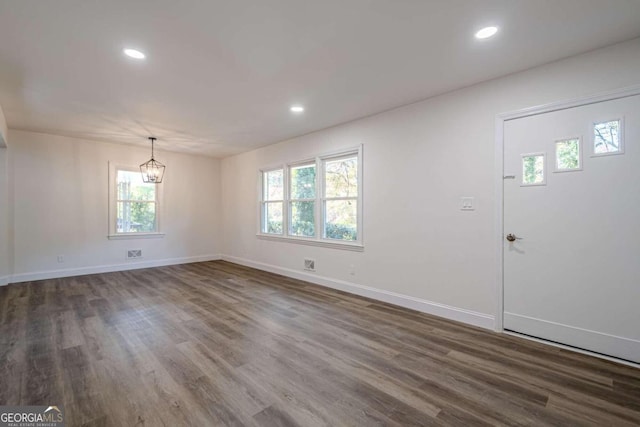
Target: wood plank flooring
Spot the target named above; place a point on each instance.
(219, 344)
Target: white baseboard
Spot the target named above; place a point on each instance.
(442, 310)
(612, 345)
(54, 274)
(4, 280)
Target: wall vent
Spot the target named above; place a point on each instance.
(134, 253)
(309, 265)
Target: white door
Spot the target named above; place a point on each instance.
(572, 274)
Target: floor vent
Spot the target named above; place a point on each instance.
(309, 265)
(134, 253)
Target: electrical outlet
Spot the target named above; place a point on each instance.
(310, 264)
(352, 269)
(467, 204)
(60, 259)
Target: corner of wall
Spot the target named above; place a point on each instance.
(6, 247)
(3, 129)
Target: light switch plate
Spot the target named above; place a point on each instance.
(467, 204)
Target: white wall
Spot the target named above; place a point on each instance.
(4, 203)
(418, 161)
(5, 255)
(60, 206)
(3, 129)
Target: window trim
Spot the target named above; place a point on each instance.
(318, 239)
(290, 200)
(263, 203)
(580, 139)
(323, 196)
(621, 131)
(112, 233)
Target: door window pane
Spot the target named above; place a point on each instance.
(533, 169)
(341, 219)
(568, 154)
(606, 137)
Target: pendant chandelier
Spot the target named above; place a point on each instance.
(152, 171)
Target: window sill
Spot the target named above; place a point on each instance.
(356, 247)
(127, 236)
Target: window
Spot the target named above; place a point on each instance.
(133, 204)
(533, 169)
(607, 138)
(303, 198)
(314, 201)
(568, 155)
(340, 199)
(272, 201)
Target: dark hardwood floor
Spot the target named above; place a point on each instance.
(218, 344)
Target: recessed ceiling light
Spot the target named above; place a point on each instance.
(134, 53)
(297, 109)
(486, 32)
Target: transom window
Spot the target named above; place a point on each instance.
(316, 200)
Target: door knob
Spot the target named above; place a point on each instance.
(512, 237)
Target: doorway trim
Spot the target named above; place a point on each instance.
(499, 175)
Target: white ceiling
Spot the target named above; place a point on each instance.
(220, 75)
